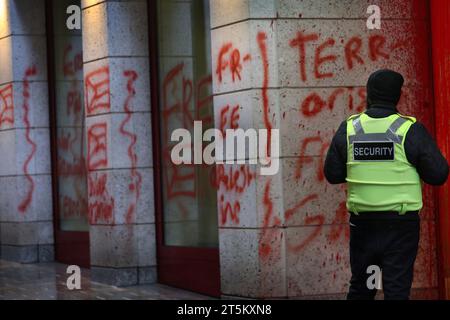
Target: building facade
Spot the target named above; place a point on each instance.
(87, 114)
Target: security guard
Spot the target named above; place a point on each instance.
(383, 156)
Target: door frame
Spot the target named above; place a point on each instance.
(440, 50)
(200, 270)
(71, 247)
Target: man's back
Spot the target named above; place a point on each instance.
(421, 151)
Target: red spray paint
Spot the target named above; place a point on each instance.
(25, 203)
(135, 185)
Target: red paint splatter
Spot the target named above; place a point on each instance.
(339, 224)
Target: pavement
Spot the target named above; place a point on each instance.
(47, 281)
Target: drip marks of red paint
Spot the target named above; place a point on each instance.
(23, 206)
(135, 185)
(261, 38)
(270, 224)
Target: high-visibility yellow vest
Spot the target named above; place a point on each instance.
(379, 176)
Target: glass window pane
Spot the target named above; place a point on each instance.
(71, 147)
(189, 203)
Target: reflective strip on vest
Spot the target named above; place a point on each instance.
(389, 135)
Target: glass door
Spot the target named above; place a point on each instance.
(65, 62)
(187, 226)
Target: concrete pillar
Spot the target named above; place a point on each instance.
(302, 66)
(26, 229)
(118, 131)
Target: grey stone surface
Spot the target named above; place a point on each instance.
(119, 277)
(22, 254)
(147, 275)
(46, 253)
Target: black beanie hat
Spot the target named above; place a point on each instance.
(384, 87)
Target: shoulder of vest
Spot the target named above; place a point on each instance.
(353, 116)
(407, 117)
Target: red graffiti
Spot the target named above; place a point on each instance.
(237, 180)
(232, 181)
(135, 185)
(72, 66)
(376, 46)
(97, 146)
(290, 212)
(25, 203)
(175, 178)
(317, 105)
(6, 105)
(229, 58)
(178, 92)
(229, 119)
(377, 49)
(67, 169)
(316, 221)
(261, 38)
(352, 52)
(96, 85)
(228, 209)
(73, 101)
(314, 103)
(74, 208)
(269, 223)
(101, 204)
(319, 60)
(204, 100)
(308, 159)
(300, 41)
(339, 225)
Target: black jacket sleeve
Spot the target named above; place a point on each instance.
(423, 153)
(335, 167)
